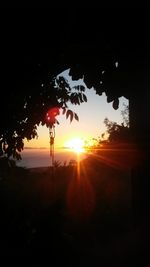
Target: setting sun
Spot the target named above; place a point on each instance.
(76, 144)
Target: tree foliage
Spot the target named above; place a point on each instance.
(109, 60)
(26, 112)
(115, 132)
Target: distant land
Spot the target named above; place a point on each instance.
(26, 147)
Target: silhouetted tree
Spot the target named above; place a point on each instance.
(22, 119)
(116, 132)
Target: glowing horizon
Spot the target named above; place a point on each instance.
(90, 125)
(75, 144)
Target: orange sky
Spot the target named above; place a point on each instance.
(91, 116)
(90, 125)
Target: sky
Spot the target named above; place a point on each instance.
(90, 125)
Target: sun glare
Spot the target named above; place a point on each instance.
(76, 145)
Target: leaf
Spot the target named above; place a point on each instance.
(56, 121)
(73, 98)
(64, 111)
(69, 113)
(82, 88)
(77, 101)
(76, 87)
(110, 98)
(80, 97)
(115, 104)
(76, 117)
(84, 98)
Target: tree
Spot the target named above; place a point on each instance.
(119, 133)
(109, 64)
(22, 119)
(116, 133)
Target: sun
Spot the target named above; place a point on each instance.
(75, 144)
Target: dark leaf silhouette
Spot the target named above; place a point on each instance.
(110, 98)
(77, 101)
(84, 98)
(63, 111)
(77, 87)
(80, 97)
(76, 116)
(82, 88)
(69, 113)
(116, 104)
(56, 121)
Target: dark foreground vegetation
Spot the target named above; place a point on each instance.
(72, 216)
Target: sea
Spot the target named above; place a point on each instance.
(33, 158)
